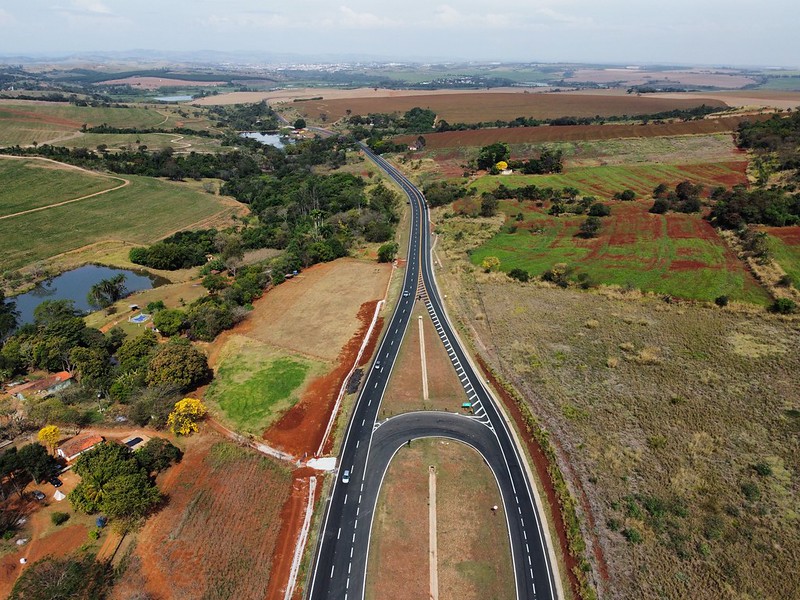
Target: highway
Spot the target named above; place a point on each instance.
(341, 560)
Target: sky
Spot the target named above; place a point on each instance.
(703, 32)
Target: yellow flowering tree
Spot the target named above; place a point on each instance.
(184, 417)
(490, 263)
(502, 165)
(49, 436)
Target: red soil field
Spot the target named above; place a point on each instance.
(299, 431)
(24, 115)
(573, 133)
(480, 106)
(789, 235)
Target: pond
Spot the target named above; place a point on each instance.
(270, 139)
(75, 285)
(173, 98)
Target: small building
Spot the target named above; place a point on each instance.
(135, 442)
(42, 388)
(71, 449)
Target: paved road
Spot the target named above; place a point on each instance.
(340, 567)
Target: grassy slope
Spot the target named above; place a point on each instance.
(254, 384)
(30, 184)
(142, 212)
(604, 181)
(787, 255)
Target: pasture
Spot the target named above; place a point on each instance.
(132, 141)
(604, 181)
(222, 520)
(675, 254)
(784, 244)
(474, 107)
(33, 183)
(676, 425)
(144, 211)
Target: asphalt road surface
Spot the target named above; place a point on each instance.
(341, 562)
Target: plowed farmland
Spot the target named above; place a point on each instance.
(525, 135)
(479, 106)
(216, 536)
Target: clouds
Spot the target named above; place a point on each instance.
(675, 31)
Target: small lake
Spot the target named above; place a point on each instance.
(270, 139)
(75, 285)
(173, 98)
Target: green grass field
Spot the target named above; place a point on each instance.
(604, 181)
(33, 183)
(784, 244)
(143, 212)
(674, 254)
(153, 141)
(254, 385)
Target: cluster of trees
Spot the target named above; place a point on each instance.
(779, 135)
(181, 250)
(53, 578)
(684, 198)
(121, 483)
(18, 468)
(106, 128)
(137, 371)
(440, 193)
(738, 206)
(548, 161)
(246, 117)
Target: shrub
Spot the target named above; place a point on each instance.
(625, 195)
(660, 206)
(519, 275)
(762, 469)
(599, 210)
(590, 227)
(58, 518)
(632, 535)
(721, 301)
(783, 306)
(750, 491)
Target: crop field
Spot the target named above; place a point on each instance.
(31, 183)
(784, 243)
(675, 254)
(468, 568)
(567, 133)
(216, 536)
(479, 106)
(142, 212)
(676, 424)
(603, 182)
(254, 384)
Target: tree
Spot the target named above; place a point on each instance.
(157, 455)
(599, 210)
(490, 263)
(300, 123)
(660, 206)
(35, 460)
(214, 282)
(51, 311)
(590, 227)
(64, 578)
(93, 366)
(179, 363)
(489, 205)
(98, 467)
(490, 155)
(130, 497)
(783, 306)
(8, 316)
(169, 322)
(183, 419)
(49, 435)
(104, 293)
(387, 252)
(135, 353)
(519, 275)
(626, 195)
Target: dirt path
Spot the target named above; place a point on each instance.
(125, 182)
(432, 531)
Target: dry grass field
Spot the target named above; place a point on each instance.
(479, 106)
(473, 550)
(676, 425)
(215, 537)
